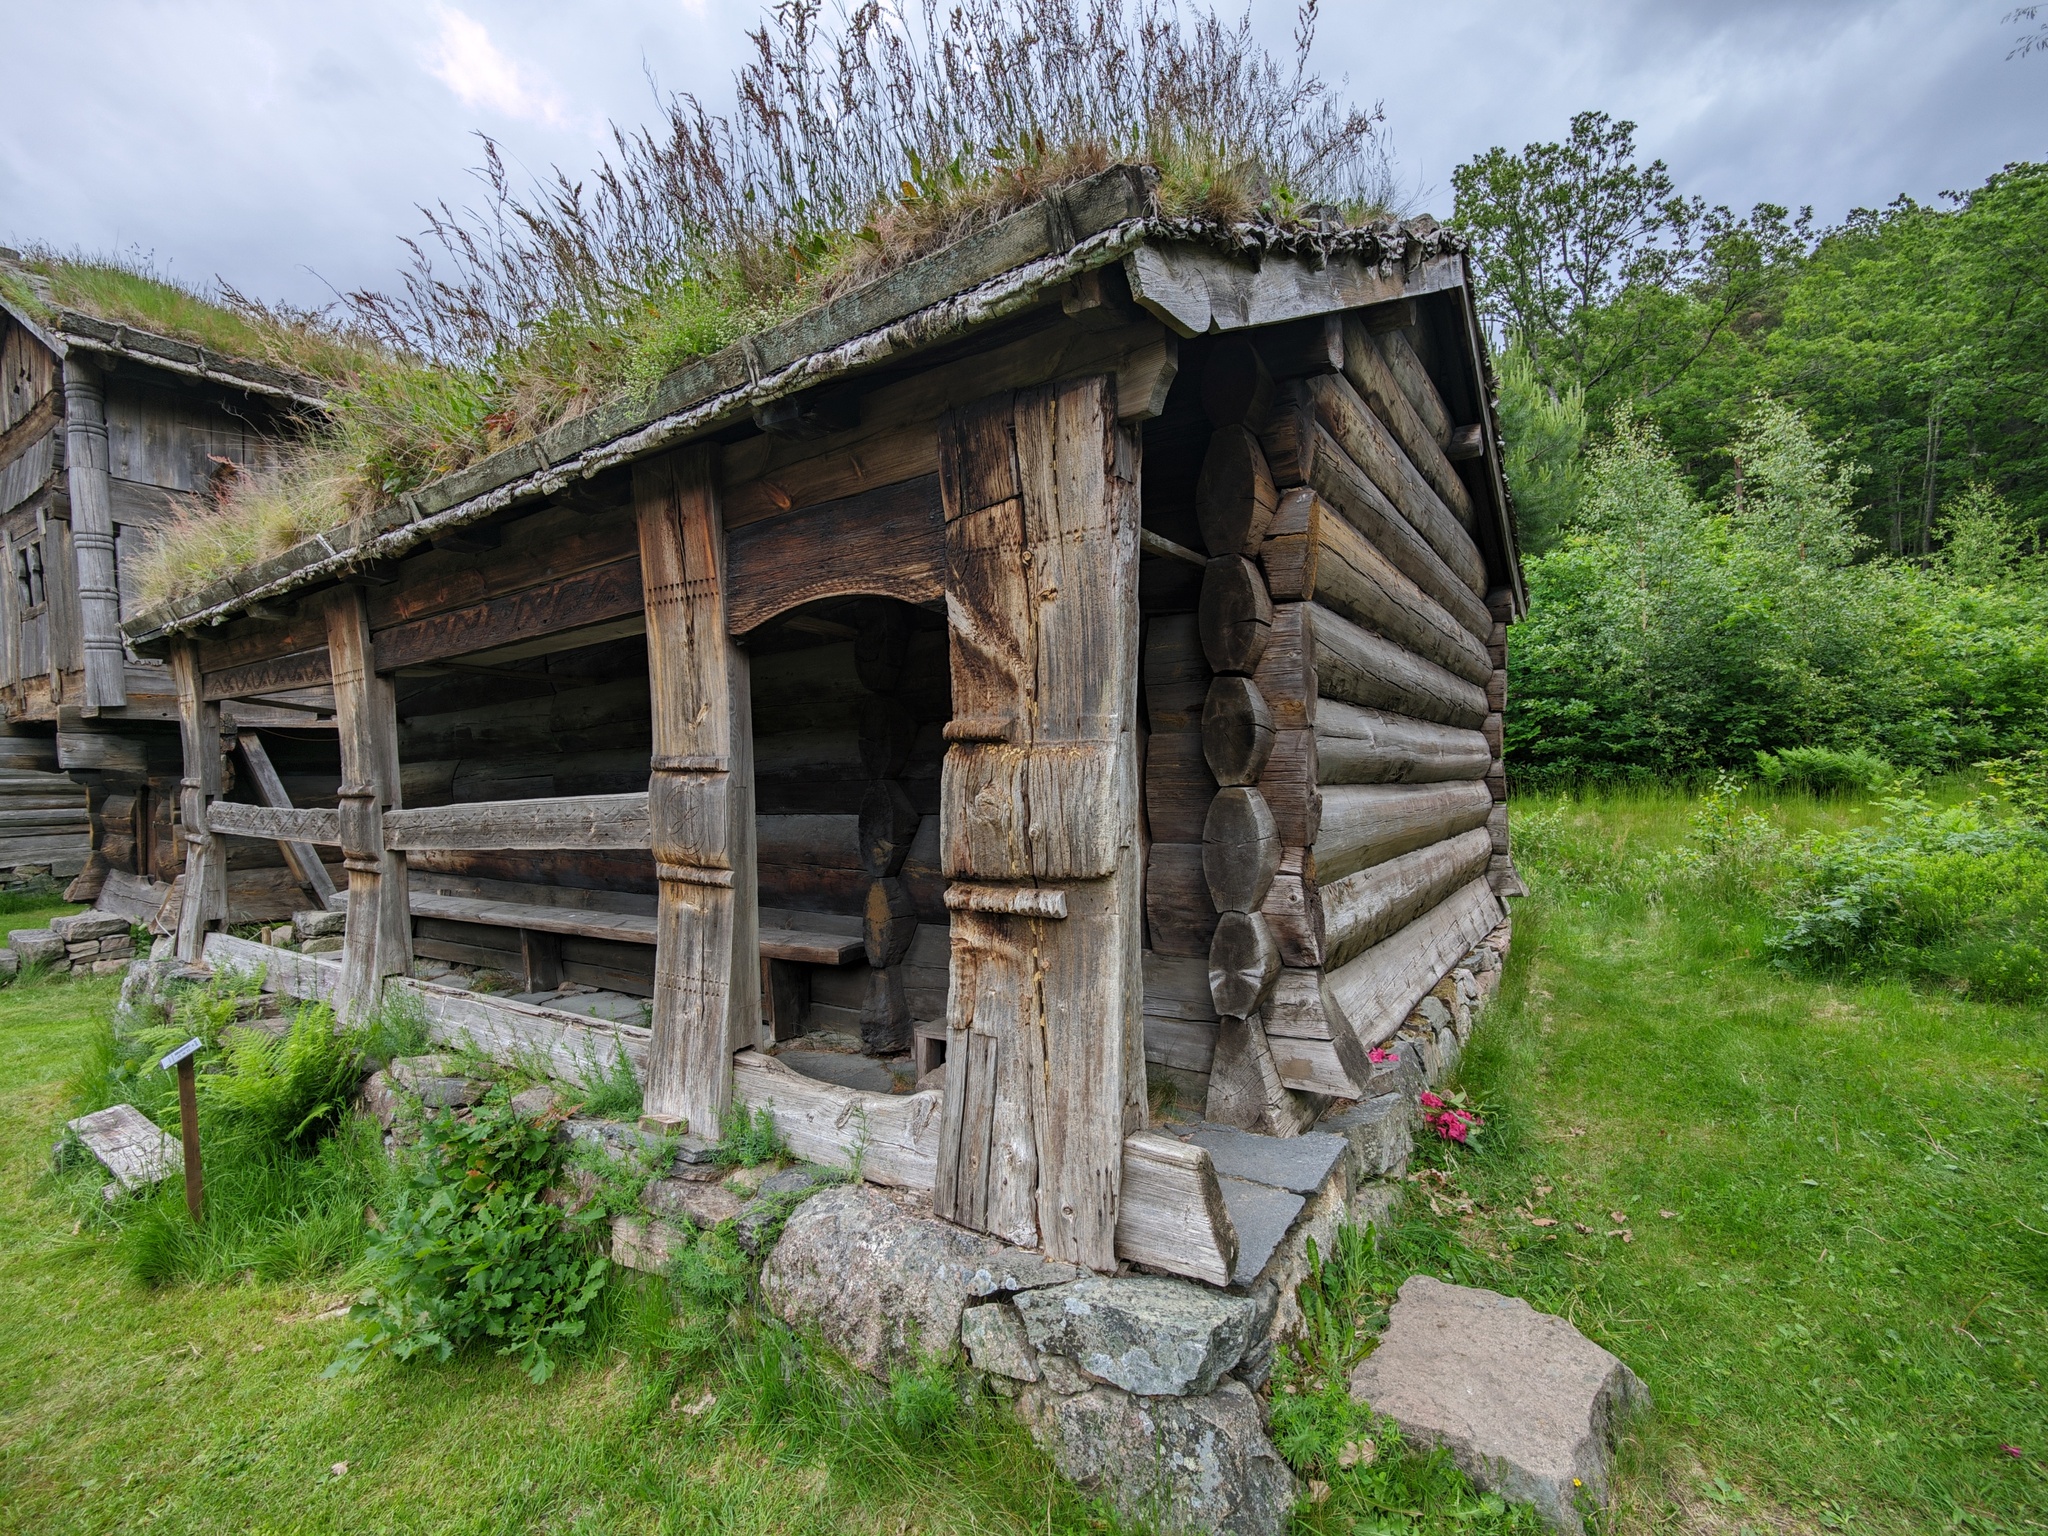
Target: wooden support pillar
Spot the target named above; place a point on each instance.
(206, 881)
(92, 537)
(700, 795)
(378, 938)
(1044, 1056)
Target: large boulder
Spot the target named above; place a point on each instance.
(1175, 1463)
(1525, 1403)
(34, 944)
(1157, 1338)
(886, 1286)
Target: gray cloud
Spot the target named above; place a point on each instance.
(284, 147)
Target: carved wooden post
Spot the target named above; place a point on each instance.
(1045, 1065)
(92, 537)
(378, 938)
(707, 1001)
(206, 884)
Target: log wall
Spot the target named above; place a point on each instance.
(1323, 786)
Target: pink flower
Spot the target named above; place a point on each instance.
(1450, 1127)
(1380, 1053)
(2014, 1451)
(1430, 1100)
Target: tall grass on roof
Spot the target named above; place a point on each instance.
(849, 149)
(132, 290)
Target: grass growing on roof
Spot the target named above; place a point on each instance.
(849, 150)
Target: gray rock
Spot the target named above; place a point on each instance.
(332, 946)
(1447, 1050)
(532, 1103)
(1299, 1163)
(1154, 1337)
(447, 1092)
(700, 1204)
(1428, 1056)
(996, 1342)
(695, 1152)
(1256, 1368)
(89, 927)
(1373, 1205)
(1262, 1215)
(616, 1137)
(319, 925)
(1059, 1374)
(378, 1099)
(34, 944)
(407, 1070)
(1525, 1403)
(1381, 1133)
(1434, 1012)
(10, 963)
(884, 1286)
(1174, 1463)
(773, 1200)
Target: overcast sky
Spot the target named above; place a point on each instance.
(284, 146)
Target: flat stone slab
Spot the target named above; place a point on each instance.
(1262, 1215)
(1381, 1132)
(34, 944)
(1525, 1403)
(85, 927)
(886, 1286)
(129, 1145)
(1157, 1338)
(1299, 1163)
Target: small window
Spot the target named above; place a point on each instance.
(28, 576)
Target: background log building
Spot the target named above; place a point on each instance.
(1077, 653)
(106, 430)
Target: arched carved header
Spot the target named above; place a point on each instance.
(887, 542)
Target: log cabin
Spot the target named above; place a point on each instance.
(107, 429)
(1073, 657)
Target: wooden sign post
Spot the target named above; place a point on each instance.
(188, 1118)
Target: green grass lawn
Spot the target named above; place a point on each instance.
(1834, 1279)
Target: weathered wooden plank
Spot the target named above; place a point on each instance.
(587, 598)
(1171, 1216)
(304, 860)
(276, 674)
(1415, 382)
(205, 896)
(1370, 746)
(1302, 1013)
(1364, 824)
(231, 818)
(571, 821)
(1179, 915)
(700, 798)
(1368, 444)
(378, 940)
(890, 540)
(1198, 290)
(1365, 365)
(1379, 988)
(1312, 553)
(92, 536)
(895, 1136)
(1044, 1062)
(1178, 786)
(128, 1144)
(1360, 668)
(1371, 904)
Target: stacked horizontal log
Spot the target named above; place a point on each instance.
(1500, 872)
(1351, 722)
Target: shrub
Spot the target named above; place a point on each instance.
(284, 1091)
(472, 1253)
(1824, 771)
(1951, 895)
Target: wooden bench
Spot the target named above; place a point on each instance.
(787, 940)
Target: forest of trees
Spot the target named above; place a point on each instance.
(1778, 486)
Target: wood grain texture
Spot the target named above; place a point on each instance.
(1371, 746)
(304, 860)
(573, 821)
(1180, 919)
(378, 941)
(1361, 668)
(231, 818)
(1040, 784)
(205, 878)
(1236, 615)
(1244, 963)
(1312, 553)
(1372, 904)
(1415, 382)
(890, 541)
(700, 797)
(1365, 365)
(1240, 849)
(1237, 731)
(1172, 1216)
(1234, 496)
(580, 601)
(1368, 444)
(1365, 824)
(92, 536)
(1380, 987)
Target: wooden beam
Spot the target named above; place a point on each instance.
(1378, 989)
(205, 877)
(301, 855)
(1362, 668)
(707, 973)
(572, 821)
(275, 674)
(378, 940)
(607, 592)
(1044, 1057)
(1374, 903)
(302, 828)
(92, 537)
(1364, 824)
(1197, 290)
(890, 541)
